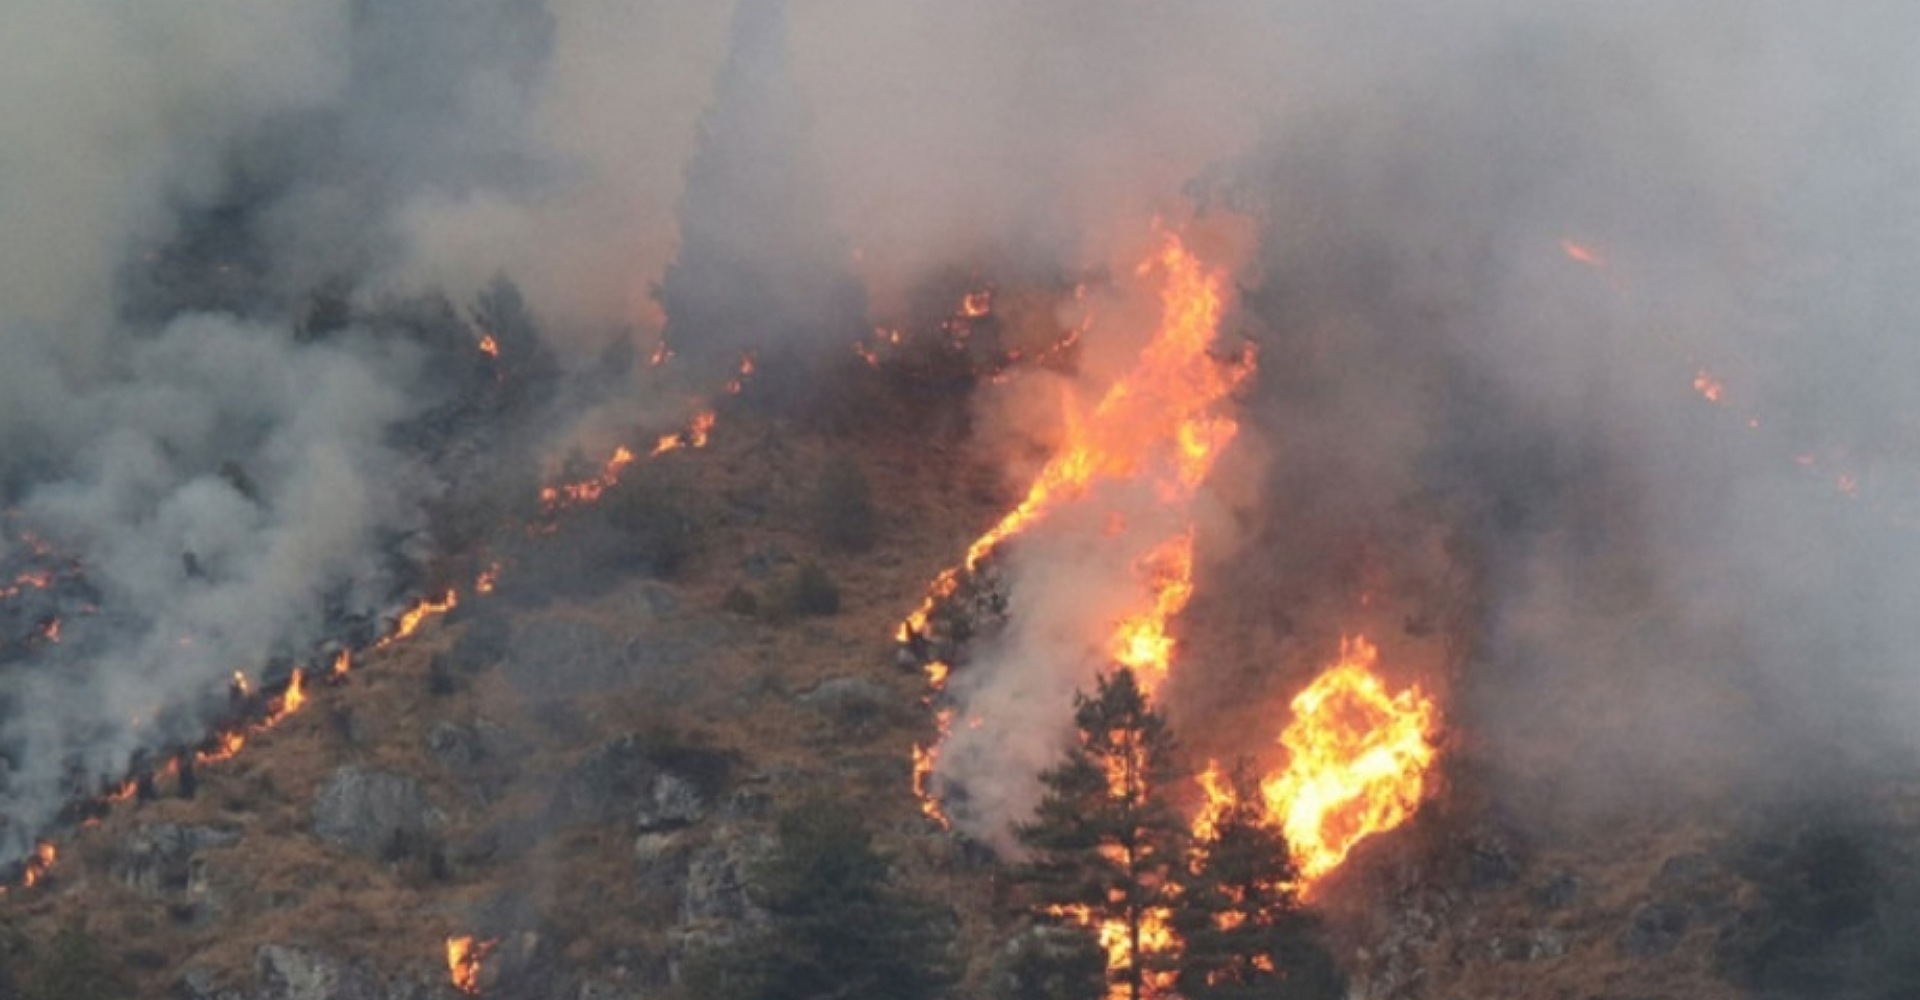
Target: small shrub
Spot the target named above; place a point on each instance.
(843, 507)
(656, 531)
(740, 601)
(808, 593)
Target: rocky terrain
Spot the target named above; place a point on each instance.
(582, 784)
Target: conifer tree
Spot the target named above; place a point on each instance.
(1245, 933)
(839, 929)
(1104, 845)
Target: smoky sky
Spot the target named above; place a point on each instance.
(177, 177)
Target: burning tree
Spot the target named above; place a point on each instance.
(1106, 846)
(1239, 917)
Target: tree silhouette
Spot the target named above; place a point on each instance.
(1105, 846)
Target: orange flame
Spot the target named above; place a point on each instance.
(1158, 424)
(464, 956)
(693, 436)
(230, 743)
(1142, 642)
(488, 579)
(489, 346)
(291, 699)
(554, 498)
(739, 382)
(1358, 761)
(1165, 401)
(39, 863)
(1156, 938)
(419, 613)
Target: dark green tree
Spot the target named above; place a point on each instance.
(1104, 846)
(1244, 931)
(840, 928)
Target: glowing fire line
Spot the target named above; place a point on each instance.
(1159, 423)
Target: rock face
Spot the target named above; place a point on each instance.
(374, 813)
(856, 705)
(561, 658)
(653, 788)
(286, 973)
(714, 897)
(162, 859)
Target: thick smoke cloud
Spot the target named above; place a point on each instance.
(180, 178)
(1656, 587)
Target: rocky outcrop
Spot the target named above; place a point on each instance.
(374, 813)
(284, 972)
(858, 707)
(287, 973)
(164, 859)
(652, 787)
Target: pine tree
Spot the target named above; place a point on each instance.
(1239, 915)
(839, 930)
(1105, 846)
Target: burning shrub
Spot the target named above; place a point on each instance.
(843, 507)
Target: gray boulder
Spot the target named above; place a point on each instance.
(563, 658)
(716, 891)
(374, 813)
(286, 973)
(655, 788)
(163, 859)
(199, 983)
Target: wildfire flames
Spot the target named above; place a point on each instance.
(37, 865)
(555, 498)
(410, 622)
(464, 956)
(1357, 761)
(694, 436)
(1159, 424)
(1357, 755)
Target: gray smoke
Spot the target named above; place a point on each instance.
(1659, 589)
(226, 466)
